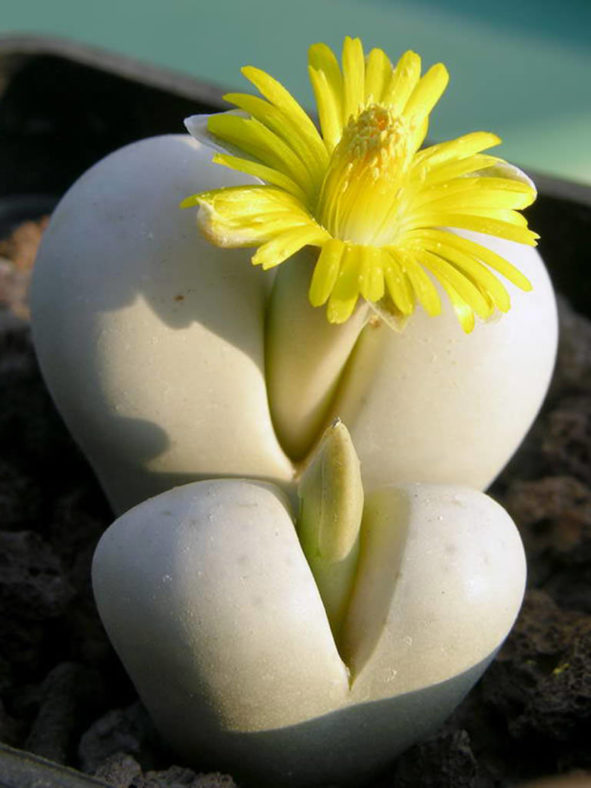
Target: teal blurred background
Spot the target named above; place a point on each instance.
(520, 68)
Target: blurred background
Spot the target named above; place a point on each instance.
(519, 68)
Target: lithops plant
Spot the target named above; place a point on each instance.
(313, 660)
(172, 359)
(305, 607)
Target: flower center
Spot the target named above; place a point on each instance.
(360, 198)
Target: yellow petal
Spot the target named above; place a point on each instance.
(427, 93)
(484, 254)
(435, 214)
(424, 289)
(478, 192)
(285, 128)
(345, 293)
(397, 282)
(371, 274)
(447, 274)
(250, 200)
(299, 123)
(377, 76)
(402, 82)
(484, 224)
(288, 243)
(328, 88)
(479, 274)
(245, 215)
(326, 272)
(447, 171)
(329, 108)
(257, 140)
(464, 312)
(267, 174)
(462, 309)
(459, 148)
(353, 77)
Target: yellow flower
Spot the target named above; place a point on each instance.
(362, 190)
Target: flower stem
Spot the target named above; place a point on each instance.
(305, 356)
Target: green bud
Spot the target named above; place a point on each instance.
(331, 509)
